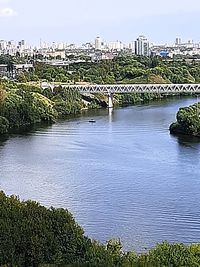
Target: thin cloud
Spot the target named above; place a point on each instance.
(7, 12)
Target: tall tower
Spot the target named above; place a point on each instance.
(98, 42)
(142, 46)
(178, 41)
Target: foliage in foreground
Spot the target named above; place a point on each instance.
(32, 235)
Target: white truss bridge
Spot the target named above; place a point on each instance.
(110, 89)
(136, 88)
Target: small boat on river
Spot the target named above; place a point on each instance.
(92, 121)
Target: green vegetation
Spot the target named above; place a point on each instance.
(22, 104)
(122, 69)
(134, 98)
(4, 125)
(188, 121)
(32, 235)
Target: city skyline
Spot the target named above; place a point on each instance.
(41, 42)
(81, 21)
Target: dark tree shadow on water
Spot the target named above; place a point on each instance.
(3, 139)
(187, 140)
(188, 150)
(23, 131)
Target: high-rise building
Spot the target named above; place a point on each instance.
(142, 46)
(131, 46)
(3, 44)
(98, 43)
(178, 41)
(115, 46)
(60, 46)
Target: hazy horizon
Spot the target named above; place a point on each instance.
(81, 20)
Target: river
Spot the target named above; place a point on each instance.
(122, 177)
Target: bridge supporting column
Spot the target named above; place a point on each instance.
(110, 100)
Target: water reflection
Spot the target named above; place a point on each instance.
(3, 140)
(186, 140)
(110, 114)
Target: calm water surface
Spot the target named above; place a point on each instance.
(124, 176)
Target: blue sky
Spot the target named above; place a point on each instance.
(82, 20)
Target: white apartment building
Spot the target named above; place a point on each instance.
(98, 43)
(115, 46)
(142, 46)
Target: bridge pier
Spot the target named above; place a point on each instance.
(110, 100)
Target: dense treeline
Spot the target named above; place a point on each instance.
(188, 121)
(32, 235)
(22, 105)
(122, 69)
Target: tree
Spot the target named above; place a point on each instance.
(22, 78)
(2, 94)
(4, 125)
(32, 234)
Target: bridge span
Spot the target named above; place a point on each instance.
(110, 89)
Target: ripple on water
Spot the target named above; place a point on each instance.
(123, 176)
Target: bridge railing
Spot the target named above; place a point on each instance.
(130, 88)
(135, 88)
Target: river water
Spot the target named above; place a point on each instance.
(122, 177)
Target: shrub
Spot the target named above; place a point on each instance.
(4, 125)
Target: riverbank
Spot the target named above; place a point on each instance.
(24, 105)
